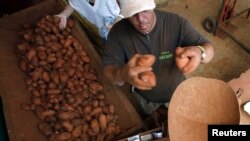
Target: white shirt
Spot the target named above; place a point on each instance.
(102, 13)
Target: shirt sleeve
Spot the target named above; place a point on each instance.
(113, 51)
(190, 36)
(113, 7)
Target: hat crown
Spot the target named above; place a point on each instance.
(131, 7)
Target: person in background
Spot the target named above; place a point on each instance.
(101, 13)
(167, 36)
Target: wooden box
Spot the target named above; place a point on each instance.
(21, 124)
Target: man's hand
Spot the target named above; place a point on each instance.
(64, 15)
(187, 58)
(63, 21)
(130, 73)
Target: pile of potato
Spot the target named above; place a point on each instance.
(66, 94)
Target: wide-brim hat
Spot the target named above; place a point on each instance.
(131, 7)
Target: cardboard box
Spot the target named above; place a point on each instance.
(22, 125)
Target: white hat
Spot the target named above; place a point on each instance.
(131, 7)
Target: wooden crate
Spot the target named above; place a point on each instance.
(22, 125)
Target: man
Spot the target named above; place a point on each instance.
(167, 36)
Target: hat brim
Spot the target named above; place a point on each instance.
(131, 9)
